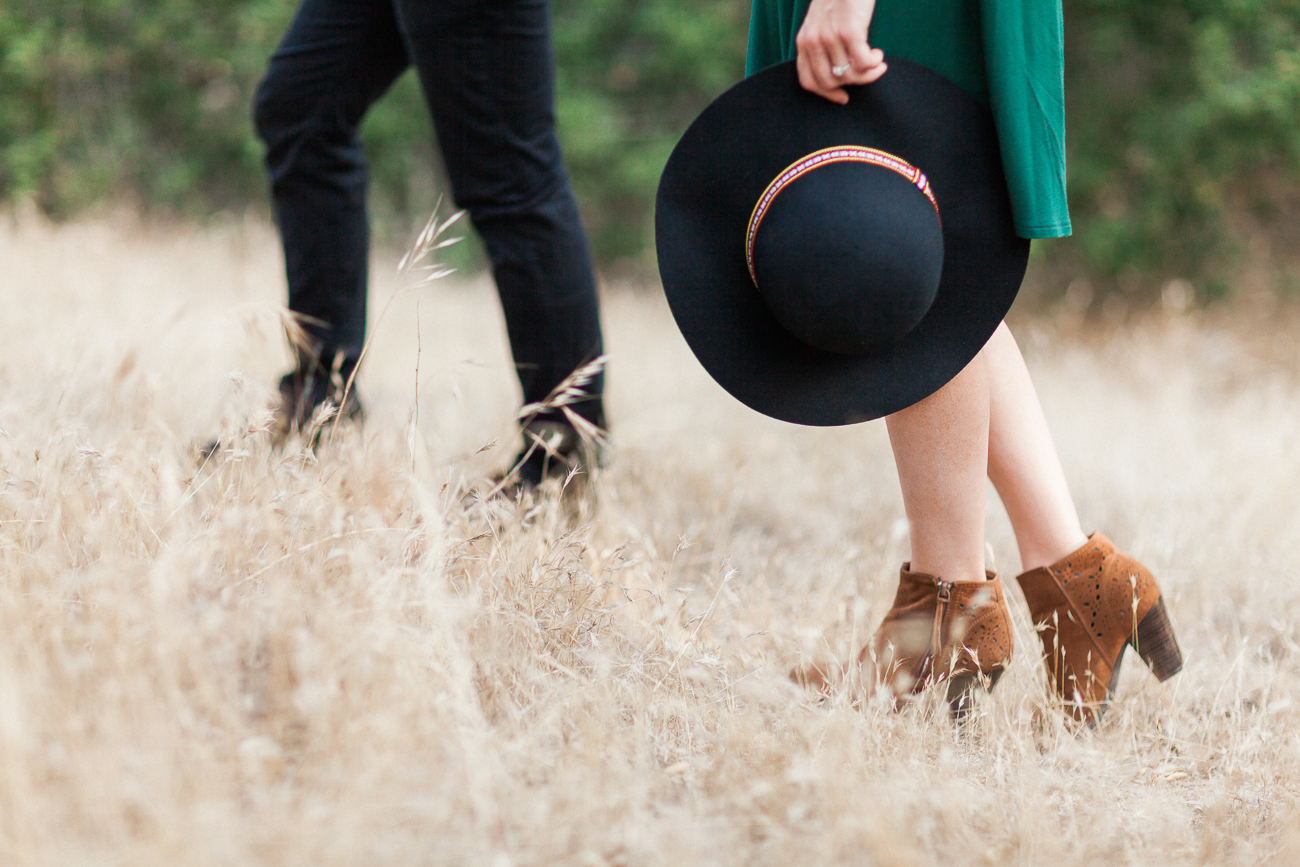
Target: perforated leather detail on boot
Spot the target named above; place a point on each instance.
(1086, 606)
(986, 625)
(1110, 589)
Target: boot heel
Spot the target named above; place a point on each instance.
(1155, 643)
(960, 689)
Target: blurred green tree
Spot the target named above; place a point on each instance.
(633, 74)
(150, 99)
(143, 97)
(1184, 116)
(1184, 130)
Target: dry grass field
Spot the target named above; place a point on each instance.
(348, 658)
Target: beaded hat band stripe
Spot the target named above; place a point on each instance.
(840, 154)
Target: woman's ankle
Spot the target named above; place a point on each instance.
(949, 570)
(1046, 549)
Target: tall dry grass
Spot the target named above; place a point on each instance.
(347, 658)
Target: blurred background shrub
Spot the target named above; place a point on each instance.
(633, 74)
(1184, 121)
(141, 98)
(1184, 138)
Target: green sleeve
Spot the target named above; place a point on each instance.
(1024, 56)
(1023, 81)
(773, 25)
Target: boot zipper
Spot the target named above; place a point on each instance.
(940, 612)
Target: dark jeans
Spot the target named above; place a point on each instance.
(487, 70)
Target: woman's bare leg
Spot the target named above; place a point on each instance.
(1022, 460)
(941, 448)
(987, 420)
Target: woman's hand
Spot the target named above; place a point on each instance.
(833, 39)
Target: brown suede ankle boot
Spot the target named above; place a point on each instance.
(1088, 607)
(940, 631)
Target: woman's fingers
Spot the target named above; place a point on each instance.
(875, 71)
(863, 68)
(833, 50)
(868, 63)
(817, 73)
(837, 54)
(821, 62)
(823, 85)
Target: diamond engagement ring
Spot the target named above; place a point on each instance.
(837, 71)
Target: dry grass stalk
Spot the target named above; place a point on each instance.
(333, 659)
(417, 260)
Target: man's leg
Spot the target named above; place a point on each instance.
(488, 74)
(336, 59)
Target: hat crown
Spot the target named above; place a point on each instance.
(724, 165)
(847, 252)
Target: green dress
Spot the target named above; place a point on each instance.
(1008, 54)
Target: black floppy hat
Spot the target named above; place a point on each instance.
(832, 264)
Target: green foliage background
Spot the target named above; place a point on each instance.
(1184, 117)
(1183, 133)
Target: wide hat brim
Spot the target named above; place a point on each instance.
(725, 161)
